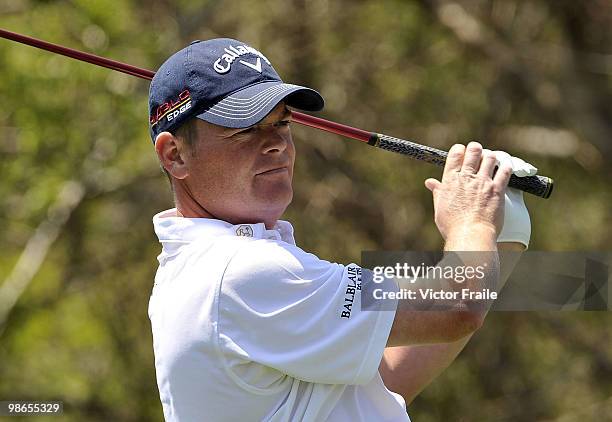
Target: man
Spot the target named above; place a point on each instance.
(246, 325)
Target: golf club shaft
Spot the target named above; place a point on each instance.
(537, 185)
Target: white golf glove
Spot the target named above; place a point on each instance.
(517, 224)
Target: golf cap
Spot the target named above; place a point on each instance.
(221, 81)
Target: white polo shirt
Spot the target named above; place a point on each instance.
(249, 327)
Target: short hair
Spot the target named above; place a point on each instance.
(188, 132)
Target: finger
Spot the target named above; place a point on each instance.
(502, 176)
(453, 160)
(488, 164)
(432, 184)
(471, 160)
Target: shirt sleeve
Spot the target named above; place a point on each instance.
(289, 310)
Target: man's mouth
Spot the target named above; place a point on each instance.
(275, 170)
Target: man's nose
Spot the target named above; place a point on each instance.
(273, 141)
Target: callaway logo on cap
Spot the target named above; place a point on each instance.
(221, 81)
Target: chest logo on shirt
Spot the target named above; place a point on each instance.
(244, 230)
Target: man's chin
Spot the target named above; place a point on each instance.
(274, 206)
(277, 195)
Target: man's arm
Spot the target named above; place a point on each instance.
(468, 211)
(410, 368)
(407, 370)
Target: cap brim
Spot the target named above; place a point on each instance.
(252, 104)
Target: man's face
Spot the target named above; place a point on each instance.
(242, 175)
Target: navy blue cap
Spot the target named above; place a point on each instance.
(221, 81)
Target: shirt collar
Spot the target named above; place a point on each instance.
(180, 230)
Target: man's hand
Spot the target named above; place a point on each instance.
(469, 202)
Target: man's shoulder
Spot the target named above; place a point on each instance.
(264, 255)
(275, 264)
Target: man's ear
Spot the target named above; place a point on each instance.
(170, 150)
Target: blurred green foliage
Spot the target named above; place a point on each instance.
(80, 181)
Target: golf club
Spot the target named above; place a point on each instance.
(540, 186)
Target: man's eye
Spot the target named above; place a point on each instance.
(283, 123)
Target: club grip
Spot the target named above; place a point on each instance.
(541, 186)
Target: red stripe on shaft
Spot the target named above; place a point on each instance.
(329, 126)
(79, 55)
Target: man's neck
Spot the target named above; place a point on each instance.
(187, 213)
